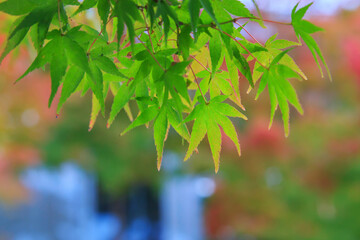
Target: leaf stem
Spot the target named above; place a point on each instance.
(256, 18)
(101, 31)
(147, 28)
(248, 33)
(239, 18)
(257, 9)
(152, 54)
(92, 44)
(59, 17)
(140, 28)
(247, 50)
(200, 63)
(197, 82)
(160, 40)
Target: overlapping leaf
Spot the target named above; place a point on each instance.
(281, 91)
(303, 29)
(169, 49)
(208, 117)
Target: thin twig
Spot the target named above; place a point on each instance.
(247, 50)
(248, 33)
(101, 31)
(198, 60)
(160, 40)
(265, 20)
(200, 64)
(257, 9)
(92, 44)
(147, 28)
(140, 28)
(59, 17)
(239, 18)
(197, 82)
(147, 49)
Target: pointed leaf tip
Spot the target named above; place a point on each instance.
(161, 129)
(159, 164)
(91, 125)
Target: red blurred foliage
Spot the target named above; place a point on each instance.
(258, 136)
(344, 148)
(322, 144)
(18, 142)
(221, 218)
(351, 48)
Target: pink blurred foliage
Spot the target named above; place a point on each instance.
(351, 46)
(18, 148)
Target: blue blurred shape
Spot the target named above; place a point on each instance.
(62, 206)
(182, 202)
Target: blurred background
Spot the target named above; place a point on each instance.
(60, 182)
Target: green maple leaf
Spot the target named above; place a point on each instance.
(209, 117)
(281, 91)
(303, 29)
(153, 71)
(163, 119)
(161, 130)
(167, 117)
(58, 66)
(72, 80)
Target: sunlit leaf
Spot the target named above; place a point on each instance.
(146, 116)
(166, 63)
(85, 5)
(58, 66)
(214, 137)
(16, 7)
(161, 128)
(72, 80)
